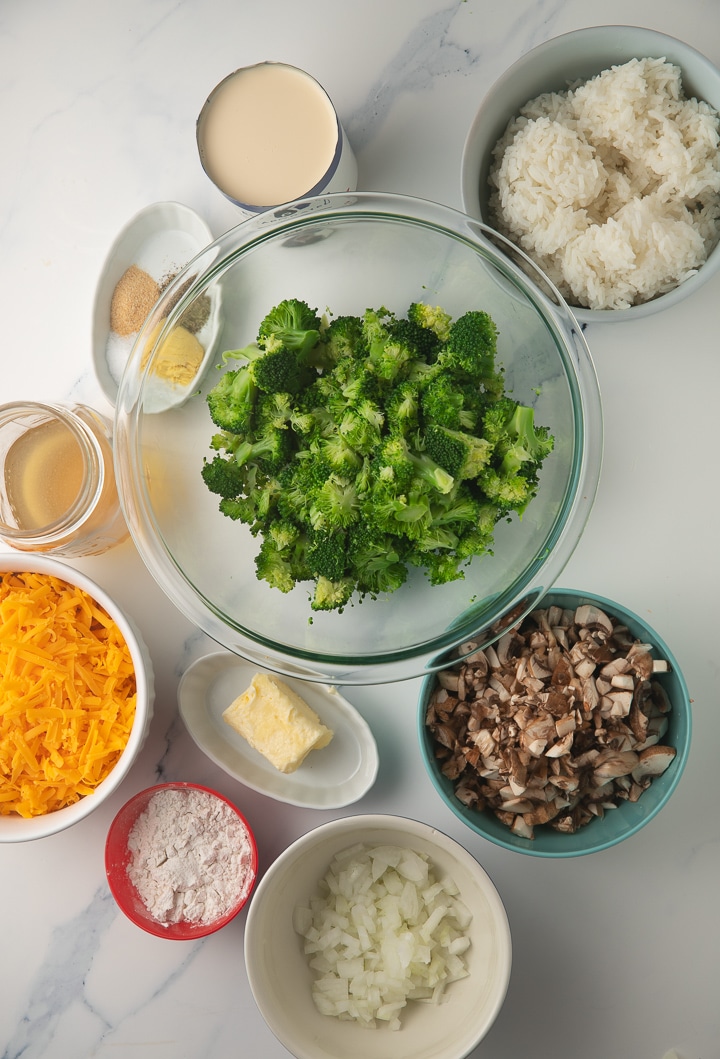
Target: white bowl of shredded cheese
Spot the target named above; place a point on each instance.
(77, 690)
(376, 936)
(596, 154)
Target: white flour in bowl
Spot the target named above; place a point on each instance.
(191, 857)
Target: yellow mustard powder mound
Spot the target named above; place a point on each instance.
(178, 357)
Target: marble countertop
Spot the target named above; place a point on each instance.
(615, 955)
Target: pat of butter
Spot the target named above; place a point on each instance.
(277, 722)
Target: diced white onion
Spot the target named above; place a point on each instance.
(384, 930)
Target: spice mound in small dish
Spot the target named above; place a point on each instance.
(359, 447)
(181, 860)
(613, 187)
(556, 725)
(67, 693)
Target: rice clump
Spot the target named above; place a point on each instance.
(612, 187)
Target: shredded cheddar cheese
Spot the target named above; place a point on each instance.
(67, 694)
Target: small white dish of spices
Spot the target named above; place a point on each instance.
(337, 774)
(147, 255)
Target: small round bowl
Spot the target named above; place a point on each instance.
(345, 253)
(617, 824)
(118, 857)
(15, 828)
(280, 978)
(552, 66)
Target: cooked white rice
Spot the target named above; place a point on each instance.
(612, 187)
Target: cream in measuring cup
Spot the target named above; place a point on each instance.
(269, 134)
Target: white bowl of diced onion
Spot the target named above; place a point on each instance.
(380, 922)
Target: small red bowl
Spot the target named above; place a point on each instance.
(118, 857)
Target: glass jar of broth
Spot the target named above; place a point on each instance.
(57, 484)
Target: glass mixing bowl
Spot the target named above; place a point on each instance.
(346, 253)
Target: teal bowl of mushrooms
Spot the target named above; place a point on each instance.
(566, 736)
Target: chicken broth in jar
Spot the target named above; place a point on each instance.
(57, 486)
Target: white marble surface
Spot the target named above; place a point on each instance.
(616, 956)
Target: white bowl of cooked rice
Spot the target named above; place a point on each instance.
(77, 694)
(596, 154)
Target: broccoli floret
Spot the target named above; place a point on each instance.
(344, 339)
(511, 492)
(361, 426)
(273, 410)
(443, 402)
(337, 453)
(402, 409)
(291, 324)
(358, 383)
(519, 447)
(528, 444)
(332, 595)
(437, 537)
(401, 465)
(388, 356)
(270, 450)
(393, 465)
(422, 341)
(224, 476)
(326, 555)
(281, 370)
(274, 565)
(232, 401)
(400, 514)
(298, 483)
(375, 558)
(432, 317)
(441, 567)
(431, 473)
(496, 418)
(335, 504)
(477, 539)
(242, 509)
(284, 534)
(461, 454)
(471, 347)
(460, 508)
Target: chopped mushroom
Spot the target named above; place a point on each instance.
(558, 722)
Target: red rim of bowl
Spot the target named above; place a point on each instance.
(117, 859)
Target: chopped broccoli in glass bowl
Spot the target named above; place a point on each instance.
(396, 454)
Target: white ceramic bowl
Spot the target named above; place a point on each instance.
(552, 66)
(162, 239)
(14, 828)
(280, 978)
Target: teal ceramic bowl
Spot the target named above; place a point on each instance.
(618, 824)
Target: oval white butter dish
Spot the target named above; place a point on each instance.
(335, 776)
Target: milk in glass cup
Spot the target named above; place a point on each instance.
(269, 134)
(57, 484)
